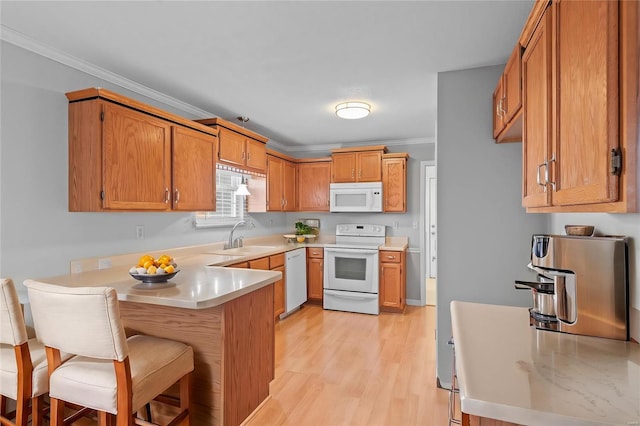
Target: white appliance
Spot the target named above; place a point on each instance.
(355, 197)
(351, 281)
(295, 279)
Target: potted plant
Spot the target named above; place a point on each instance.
(302, 229)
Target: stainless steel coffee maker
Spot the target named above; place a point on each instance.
(582, 285)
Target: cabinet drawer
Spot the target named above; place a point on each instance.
(390, 256)
(276, 260)
(317, 252)
(261, 263)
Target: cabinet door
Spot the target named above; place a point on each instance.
(278, 293)
(313, 186)
(256, 155)
(344, 167)
(231, 147)
(498, 112)
(390, 286)
(394, 184)
(136, 160)
(512, 84)
(369, 166)
(289, 186)
(587, 104)
(536, 138)
(275, 193)
(315, 276)
(261, 263)
(193, 170)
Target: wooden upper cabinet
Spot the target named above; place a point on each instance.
(289, 173)
(128, 156)
(537, 134)
(193, 170)
(357, 165)
(275, 191)
(313, 186)
(576, 84)
(394, 182)
(238, 146)
(587, 104)
(137, 160)
(507, 101)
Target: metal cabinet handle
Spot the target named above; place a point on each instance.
(538, 179)
(359, 173)
(502, 109)
(546, 172)
(177, 195)
(353, 173)
(167, 195)
(248, 156)
(390, 257)
(243, 155)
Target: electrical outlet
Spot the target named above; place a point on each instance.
(76, 267)
(104, 263)
(140, 232)
(396, 224)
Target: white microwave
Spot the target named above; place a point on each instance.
(355, 197)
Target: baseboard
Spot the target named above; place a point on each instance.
(414, 302)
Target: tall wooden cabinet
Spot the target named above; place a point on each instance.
(314, 178)
(128, 156)
(392, 281)
(394, 182)
(580, 137)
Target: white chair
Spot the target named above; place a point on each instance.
(23, 363)
(110, 373)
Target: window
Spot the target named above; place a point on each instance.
(230, 208)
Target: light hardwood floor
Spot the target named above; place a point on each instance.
(339, 368)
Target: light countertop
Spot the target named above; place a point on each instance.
(510, 371)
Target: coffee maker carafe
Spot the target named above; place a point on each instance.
(582, 285)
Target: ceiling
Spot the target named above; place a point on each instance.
(284, 64)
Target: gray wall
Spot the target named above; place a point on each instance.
(484, 233)
(38, 235)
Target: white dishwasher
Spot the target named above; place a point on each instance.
(295, 279)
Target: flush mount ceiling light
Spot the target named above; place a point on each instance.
(353, 110)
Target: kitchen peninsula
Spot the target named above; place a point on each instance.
(225, 314)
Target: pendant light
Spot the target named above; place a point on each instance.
(242, 188)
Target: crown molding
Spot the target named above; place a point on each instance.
(392, 142)
(18, 39)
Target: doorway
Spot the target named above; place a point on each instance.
(428, 238)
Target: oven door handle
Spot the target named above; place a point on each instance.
(350, 251)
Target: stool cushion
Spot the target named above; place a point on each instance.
(9, 370)
(155, 365)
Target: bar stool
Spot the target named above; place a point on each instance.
(23, 362)
(110, 373)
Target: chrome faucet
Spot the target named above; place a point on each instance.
(238, 241)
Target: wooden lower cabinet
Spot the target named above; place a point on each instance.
(239, 265)
(315, 274)
(471, 420)
(277, 264)
(392, 281)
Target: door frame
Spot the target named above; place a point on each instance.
(423, 230)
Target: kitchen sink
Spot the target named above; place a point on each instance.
(245, 251)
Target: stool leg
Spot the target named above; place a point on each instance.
(56, 413)
(37, 406)
(185, 398)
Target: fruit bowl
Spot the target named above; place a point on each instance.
(154, 278)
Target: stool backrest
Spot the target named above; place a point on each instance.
(78, 320)
(12, 327)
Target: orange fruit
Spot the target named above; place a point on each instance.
(151, 269)
(169, 269)
(144, 259)
(164, 259)
(147, 264)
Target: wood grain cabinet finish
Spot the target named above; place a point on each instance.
(349, 165)
(239, 147)
(276, 263)
(392, 281)
(580, 135)
(128, 156)
(394, 182)
(507, 101)
(471, 420)
(314, 179)
(315, 274)
(281, 184)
